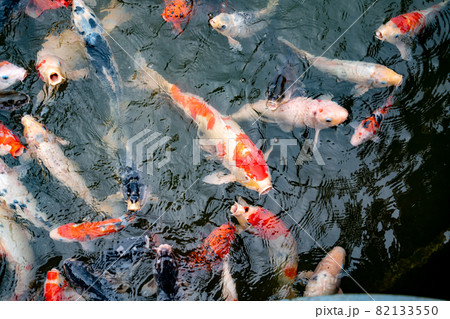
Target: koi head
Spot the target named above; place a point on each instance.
(54, 287)
(133, 190)
(253, 171)
(384, 77)
(222, 23)
(276, 92)
(365, 131)
(10, 74)
(328, 113)
(389, 32)
(166, 269)
(50, 71)
(16, 149)
(32, 128)
(242, 212)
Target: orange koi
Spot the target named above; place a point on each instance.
(90, 230)
(176, 12)
(9, 142)
(214, 248)
(224, 137)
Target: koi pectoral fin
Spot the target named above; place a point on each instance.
(235, 45)
(360, 90)
(219, 178)
(405, 50)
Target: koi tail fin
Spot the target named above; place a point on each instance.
(301, 53)
(147, 78)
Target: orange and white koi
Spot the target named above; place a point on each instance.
(45, 146)
(36, 7)
(366, 75)
(400, 29)
(231, 145)
(368, 128)
(297, 112)
(56, 288)
(90, 230)
(176, 12)
(214, 248)
(282, 245)
(10, 74)
(326, 277)
(14, 244)
(17, 197)
(9, 143)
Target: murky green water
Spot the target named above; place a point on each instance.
(386, 203)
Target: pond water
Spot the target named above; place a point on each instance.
(386, 203)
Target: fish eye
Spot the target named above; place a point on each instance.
(328, 119)
(223, 27)
(5, 77)
(383, 82)
(246, 209)
(397, 35)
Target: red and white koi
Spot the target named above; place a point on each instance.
(282, 245)
(10, 74)
(366, 75)
(14, 244)
(17, 197)
(232, 146)
(326, 277)
(56, 288)
(297, 112)
(400, 29)
(9, 142)
(368, 128)
(90, 230)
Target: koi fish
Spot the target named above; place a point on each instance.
(233, 147)
(117, 15)
(368, 128)
(45, 146)
(9, 142)
(165, 273)
(133, 190)
(366, 75)
(13, 101)
(90, 230)
(282, 86)
(326, 277)
(14, 244)
(176, 12)
(87, 283)
(10, 74)
(214, 248)
(281, 243)
(242, 24)
(400, 29)
(61, 58)
(297, 112)
(98, 50)
(56, 288)
(17, 197)
(36, 7)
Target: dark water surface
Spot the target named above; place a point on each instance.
(386, 203)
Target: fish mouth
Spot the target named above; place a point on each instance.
(235, 209)
(379, 35)
(133, 206)
(54, 79)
